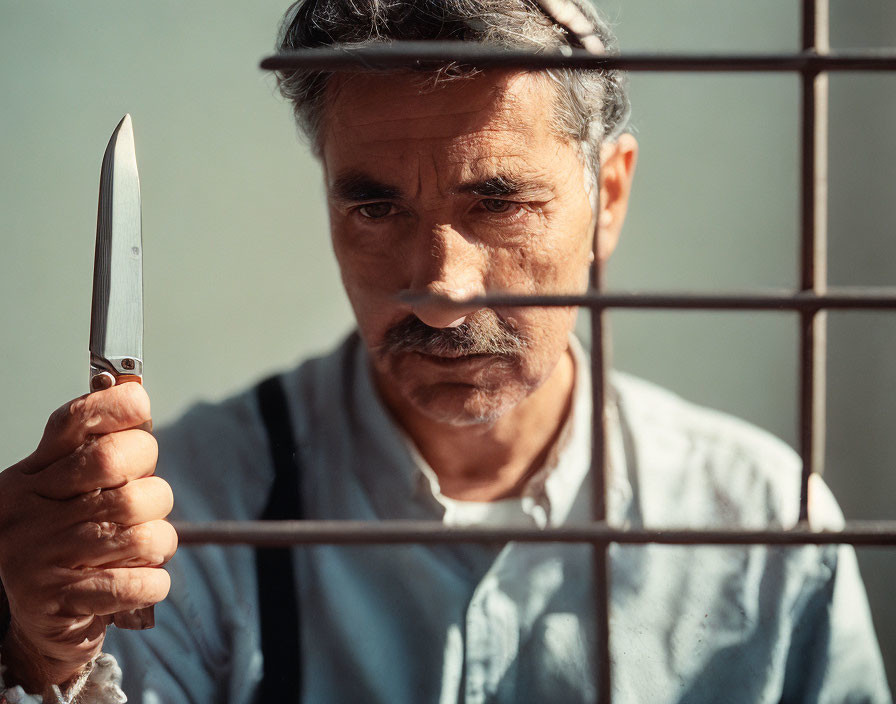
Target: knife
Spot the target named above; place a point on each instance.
(116, 315)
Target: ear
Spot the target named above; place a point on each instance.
(617, 169)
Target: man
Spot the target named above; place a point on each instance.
(454, 183)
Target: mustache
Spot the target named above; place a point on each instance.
(484, 332)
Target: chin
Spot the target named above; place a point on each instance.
(464, 405)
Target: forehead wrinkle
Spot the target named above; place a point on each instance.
(517, 166)
(399, 134)
(426, 115)
(501, 106)
(515, 127)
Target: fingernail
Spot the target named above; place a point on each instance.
(136, 620)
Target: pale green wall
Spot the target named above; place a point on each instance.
(240, 280)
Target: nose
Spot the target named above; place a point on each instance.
(452, 266)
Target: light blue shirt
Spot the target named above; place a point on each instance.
(480, 623)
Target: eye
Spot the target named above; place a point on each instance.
(375, 210)
(496, 205)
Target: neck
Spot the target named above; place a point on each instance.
(499, 457)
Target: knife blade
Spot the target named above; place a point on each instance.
(116, 319)
(116, 314)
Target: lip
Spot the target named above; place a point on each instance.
(459, 358)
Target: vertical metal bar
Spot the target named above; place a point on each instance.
(599, 476)
(813, 246)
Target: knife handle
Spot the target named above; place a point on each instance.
(136, 619)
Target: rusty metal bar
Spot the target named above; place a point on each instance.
(883, 298)
(581, 29)
(813, 247)
(405, 55)
(281, 533)
(598, 473)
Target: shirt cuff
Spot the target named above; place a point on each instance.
(100, 683)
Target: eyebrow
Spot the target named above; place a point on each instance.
(355, 186)
(498, 186)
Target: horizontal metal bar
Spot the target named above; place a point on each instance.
(281, 533)
(842, 299)
(398, 55)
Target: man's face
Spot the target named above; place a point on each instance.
(457, 190)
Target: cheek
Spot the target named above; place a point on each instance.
(371, 278)
(368, 258)
(547, 333)
(542, 266)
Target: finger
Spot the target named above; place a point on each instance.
(101, 462)
(138, 501)
(108, 591)
(136, 620)
(93, 545)
(108, 411)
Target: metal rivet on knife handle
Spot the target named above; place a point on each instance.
(103, 380)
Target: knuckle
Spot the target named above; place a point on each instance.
(126, 503)
(54, 607)
(98, 531)
(141, 536)
(77, 413)
(65, 415)
(151, 544)
(61, 420)
(106, 456)
(92, 505)
(79, 461)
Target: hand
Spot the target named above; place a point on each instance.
(82, 534)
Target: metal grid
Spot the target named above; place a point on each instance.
(810, 302)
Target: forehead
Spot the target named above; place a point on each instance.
(398, 116)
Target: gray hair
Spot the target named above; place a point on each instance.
(591, 106)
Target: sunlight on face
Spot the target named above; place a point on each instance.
(456, 190)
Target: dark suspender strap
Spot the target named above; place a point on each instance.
(279, 611)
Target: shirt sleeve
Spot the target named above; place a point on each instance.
(205, 644)
(834, 656)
